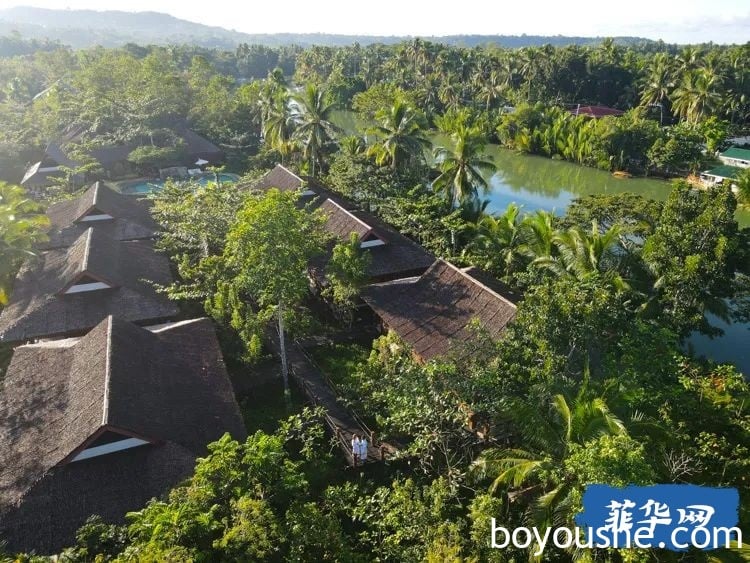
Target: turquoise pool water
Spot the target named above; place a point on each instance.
(144, 187)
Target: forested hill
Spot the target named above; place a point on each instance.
(86, 28)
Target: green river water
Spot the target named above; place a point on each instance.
(535, 182)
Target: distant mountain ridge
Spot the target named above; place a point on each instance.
(111, 28)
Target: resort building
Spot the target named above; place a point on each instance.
(433, 313)
(121, 217)
(282, 178)
(103, 423)
(114, 158)
(720, 174)
(392, 255)
(68, 291)
(734, 160)
(736, 156)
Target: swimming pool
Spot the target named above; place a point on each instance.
(145, 187)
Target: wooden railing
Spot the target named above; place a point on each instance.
(366, 430)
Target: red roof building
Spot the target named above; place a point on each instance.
(595, 111)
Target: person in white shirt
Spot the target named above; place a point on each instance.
(356, 448)
(363, 450)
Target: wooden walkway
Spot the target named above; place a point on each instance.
(342, 423)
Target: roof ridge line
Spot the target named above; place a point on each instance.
(87, 250)
(345, 210)
(290, 172)
(477, 282)
(107, 370)
(156, 329)
(95, 199)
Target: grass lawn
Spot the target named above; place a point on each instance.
(340, 361)
(265, 406)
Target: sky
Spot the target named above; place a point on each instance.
(681, 21)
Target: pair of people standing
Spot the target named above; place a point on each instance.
(359, 449)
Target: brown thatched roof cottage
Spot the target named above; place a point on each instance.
(121, 217)
(103, 423)
(432, 312)
(67, 291)
(392, 254)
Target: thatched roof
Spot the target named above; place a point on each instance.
(197, 146)
(37, 174)
(130, 218)
(397, 256)
(279, 177)
(165, 386)
(431, 313)
(40, 307)
(393, 255)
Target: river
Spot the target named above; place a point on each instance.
(536, 182)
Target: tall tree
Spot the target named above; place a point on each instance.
(694, 256)
(400, 135)
(657, 83)
(312, 114)
(498, 241)
(279, 124)
(695, 96)
(462, 167)
(743, 186)
(267, 254)
(538, 235)
(582, 254)
(347, 273)
(553, 463)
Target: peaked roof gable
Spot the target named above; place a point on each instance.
(131, 218)
(58, 397)
(341, 222)
(40, 304)
(279, 177)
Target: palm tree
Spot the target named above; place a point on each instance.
(21, 227)
(696, 95)
(538, 233)
(658, 81)
(688, 59)
(278, 125)
(584, 255)
(352, 145)
(461, 168)
(449, 95)
(401, 135)
(498, 241)
(491, 89)
(312, 115)
(531, 68)
(550, 434)
(266, 103)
